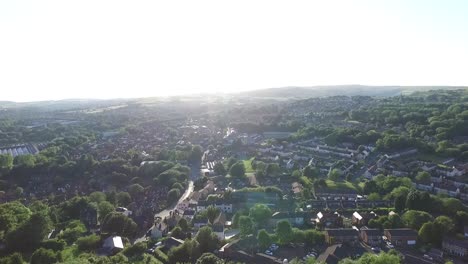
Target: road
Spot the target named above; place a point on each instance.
(165, 212)
(195, 173)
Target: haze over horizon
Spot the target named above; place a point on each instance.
(53, 50)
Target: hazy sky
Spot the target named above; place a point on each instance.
(106, 49)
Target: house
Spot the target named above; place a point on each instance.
(372, 237)
(329, 219)
(218, 229)
(401, 236)
(189, 214)
(436, 254)
(296, 188)
(199, 223)
(361, 219)
(172, 242)
(225, 207)
(342, 235)
(184, 205)
(112, 245)
(455, 247)
(159, 229)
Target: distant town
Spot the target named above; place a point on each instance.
(380, 178)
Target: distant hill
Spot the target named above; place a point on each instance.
(334, 90)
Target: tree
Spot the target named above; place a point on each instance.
(209, 258)
(264, 239)
(219, 169)
(260, 213)
(415, 219)
(104, 208)
(173, 195)
(418, 200)
(14, 258)
(246, 225)
(44, 256)
(423, 176)
(334, 174)
(188, 252)
(373, 197)
(88, 243)
(426, 232)
(284, 232)
(6, 163)
(73, 231)
(196, 153)
(310, 172)
(183, 224)
(400, 202)
(207, 240)
(212, 213)
(313, 237)
(118, 224)
(135, 190)
(30, 234)
(370, 187)
(178, 233)
(97, 197)
(237, 170)
(123, 198)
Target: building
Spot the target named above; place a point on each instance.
(401, 236)
(112, 245)
(295, 218)
(372, 237)
(455, 247)
(362, 219)
(329, 219)
(341, 235)
(159, 229)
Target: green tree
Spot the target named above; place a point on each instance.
(237, 170)
(264, 239)
(88, 243)
(260, 213)
(118, 224)
(334, 174)
(212, 213)
(219, 169)
(207, 240)
(415, 219)
(173, 195)
(284, 232)
(97, 197)
(426, 232)
(123, 198)
(105, 208)
(373, 197)
(44, 256)
(246, 225)
(310, 172)
(209, 258)
(423, 176)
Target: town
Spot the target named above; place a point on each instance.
(237, 179)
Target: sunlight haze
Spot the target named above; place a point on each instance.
(109, 49)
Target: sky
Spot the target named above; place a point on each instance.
(62, 49)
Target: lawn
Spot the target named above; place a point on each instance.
(334, 185)
(248, 165)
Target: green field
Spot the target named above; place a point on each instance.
(335, 185)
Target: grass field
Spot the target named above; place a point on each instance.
(248, 165)
(335, 185)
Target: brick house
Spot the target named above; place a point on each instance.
(401, 236)
(341, 235)
(455, 247)
(372, 237)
